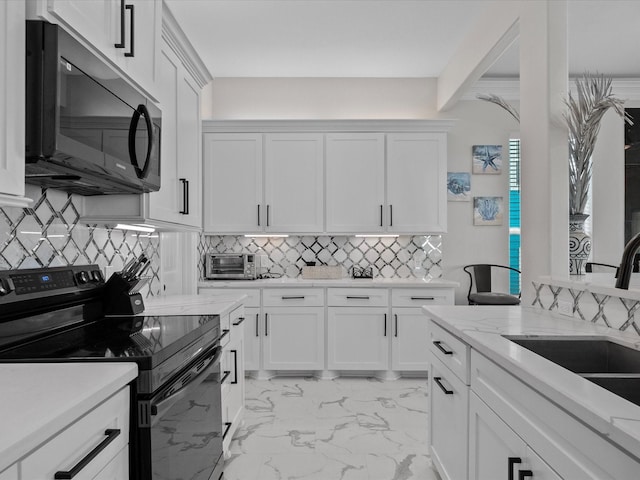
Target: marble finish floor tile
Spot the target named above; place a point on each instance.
(341, 429)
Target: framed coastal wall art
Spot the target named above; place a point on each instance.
(487, 159)
(459, 186)
(488, 210)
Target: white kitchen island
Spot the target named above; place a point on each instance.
(498, 409)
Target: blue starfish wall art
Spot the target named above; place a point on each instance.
(487, 159)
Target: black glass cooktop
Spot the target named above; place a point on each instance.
(146, 340)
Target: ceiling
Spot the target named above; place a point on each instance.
(385, 38)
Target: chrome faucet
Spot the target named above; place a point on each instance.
(626, 264)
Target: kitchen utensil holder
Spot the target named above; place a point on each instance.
(122, 297)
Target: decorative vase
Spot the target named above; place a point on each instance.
(579, 244)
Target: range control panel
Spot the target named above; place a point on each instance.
(55, 279)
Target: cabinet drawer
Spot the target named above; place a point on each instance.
(450, 350)
(69, 447)
(569, 446)
(293, 297)
(253, 294)
(416, 297)
(358, 297)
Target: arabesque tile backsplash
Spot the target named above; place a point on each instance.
(391, 256)
(50, 234)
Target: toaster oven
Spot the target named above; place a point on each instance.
(233, 266)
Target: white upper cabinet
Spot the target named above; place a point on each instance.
(294, 186)
(233, 183)
(12, 105)
(416, 179)
(126, 33)
(355, 182)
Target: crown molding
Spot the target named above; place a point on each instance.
(260, 126)
(175, 37)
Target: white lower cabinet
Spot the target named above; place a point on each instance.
(252, 350)
(233, 388)
(409, 347)
(116, 468)
(448, 423)
(10, 473)
(293, 338)
(358, 338)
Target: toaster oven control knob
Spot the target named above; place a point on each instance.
(83, 277)
(4, 287)
(96, 276)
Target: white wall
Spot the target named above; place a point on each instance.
(352, 98)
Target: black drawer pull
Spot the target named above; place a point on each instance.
(235, 367)
(227, 426)
(524, 474)
(438, 344)
(422, 298)
(511, 462)
(357, 297)
(293, 297)
(225, 332)
(438, 380)
(225, 376)
(240, 320)
(111, 434)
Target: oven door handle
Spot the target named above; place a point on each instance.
(158, 409)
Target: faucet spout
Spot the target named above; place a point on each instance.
(626, 264)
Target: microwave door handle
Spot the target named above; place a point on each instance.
(133, 128)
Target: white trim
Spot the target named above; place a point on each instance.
(243, 126)
(14, 201)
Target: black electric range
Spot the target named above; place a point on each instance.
(58, 315)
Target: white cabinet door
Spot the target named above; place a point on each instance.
(495, 451)
(448, 423)
(537, 468)
(117, 468)
(294, 185)
(164, 203)
(233, 183)
(416, 179)
(409, 343)
(355, 182)
(293, 338)
(252, 328)
(358, 338)
(12, 22)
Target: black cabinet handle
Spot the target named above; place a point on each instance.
(257, 324)
(111, 435)
(293, 297)
(422, 298)
(225, 376)
(391, 215)
(385, 324)
(439, 346)
(438, 380)
(267, 215)
(131, 52)
(524, 474)
(381, 207)
(357, 297)
(235, 367)
(396, 318)
(240, 320)
(121, 43)
(185, 196)
(512, 461)
(225, 332)
(227, 426)
(266, 324)
(258, 214)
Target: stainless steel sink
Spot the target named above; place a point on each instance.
(612, 366)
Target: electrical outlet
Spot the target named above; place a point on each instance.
(565, 308)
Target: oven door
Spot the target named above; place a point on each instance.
(180, 426)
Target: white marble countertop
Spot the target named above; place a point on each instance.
(600, 283)
(40, 399)
(203, 304)
(338, 282)
(483, 328)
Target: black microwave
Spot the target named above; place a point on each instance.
(88, 131)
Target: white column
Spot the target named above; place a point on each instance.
(544, 167)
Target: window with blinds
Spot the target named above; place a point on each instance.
(514, 213)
